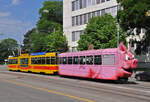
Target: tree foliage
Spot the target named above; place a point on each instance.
(56, 42)
(101, 32)
(50, 16)
(54, 11)
(48, 34)
(7, 47)
(133, 15)
(26, 41)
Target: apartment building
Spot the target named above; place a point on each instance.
(77, 13)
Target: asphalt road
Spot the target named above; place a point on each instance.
(28, 87)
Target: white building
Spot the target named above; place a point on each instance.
(77, 13)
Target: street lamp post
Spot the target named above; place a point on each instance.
(118, 28)
(118, 33)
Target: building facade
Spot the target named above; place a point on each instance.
(77, 13)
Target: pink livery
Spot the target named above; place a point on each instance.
(107, 64)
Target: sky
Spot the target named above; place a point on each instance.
(17, 17)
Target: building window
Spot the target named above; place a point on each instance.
(102, 12)
(102, 1)
(114, 11)
(89, 16)
(84, 3)
(80, 19)
(73, 6)
(98, 13)
(77, 20)
(108, 10)
(93, 2)
(77, 4)
(76, 35)
(74, 49)
(80, 4)
(73, 36)
(85, 19)
(73, 21)
(98, 1)
(93, 14)
(89, 2)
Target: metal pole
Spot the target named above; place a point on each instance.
(118, 34)
(118, 28)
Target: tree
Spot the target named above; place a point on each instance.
(26, 41)
(50, 17)
(49, 22)
(133, 15)
(7, 47)
(37, 42)
(101, 32)
(53, 11)
(56, 42)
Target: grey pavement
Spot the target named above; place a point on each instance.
(28, 87)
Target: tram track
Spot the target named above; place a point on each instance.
(122, 90)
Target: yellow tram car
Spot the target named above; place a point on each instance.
(40, 62)
(44, 63)
(13, 64)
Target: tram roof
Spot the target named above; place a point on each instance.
(38, 53)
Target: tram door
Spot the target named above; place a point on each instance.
(96, 68)
(24, 62)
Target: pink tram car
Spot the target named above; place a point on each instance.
(107, 64)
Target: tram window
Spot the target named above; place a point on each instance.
(16, 61)
(35, 60)
(12, 61)
(59, 60)
(69, 60)
(109, 59)
(32, 61)
(53, 60)
(82, 59)
(39, 60)
(97, 59)
(89, 60)
(42, 60)
(24, 61)
(75, 60)
(64, 60)
(47, 60)
(56, 60)
(9, 61)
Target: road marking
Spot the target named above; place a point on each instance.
(49, 91)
